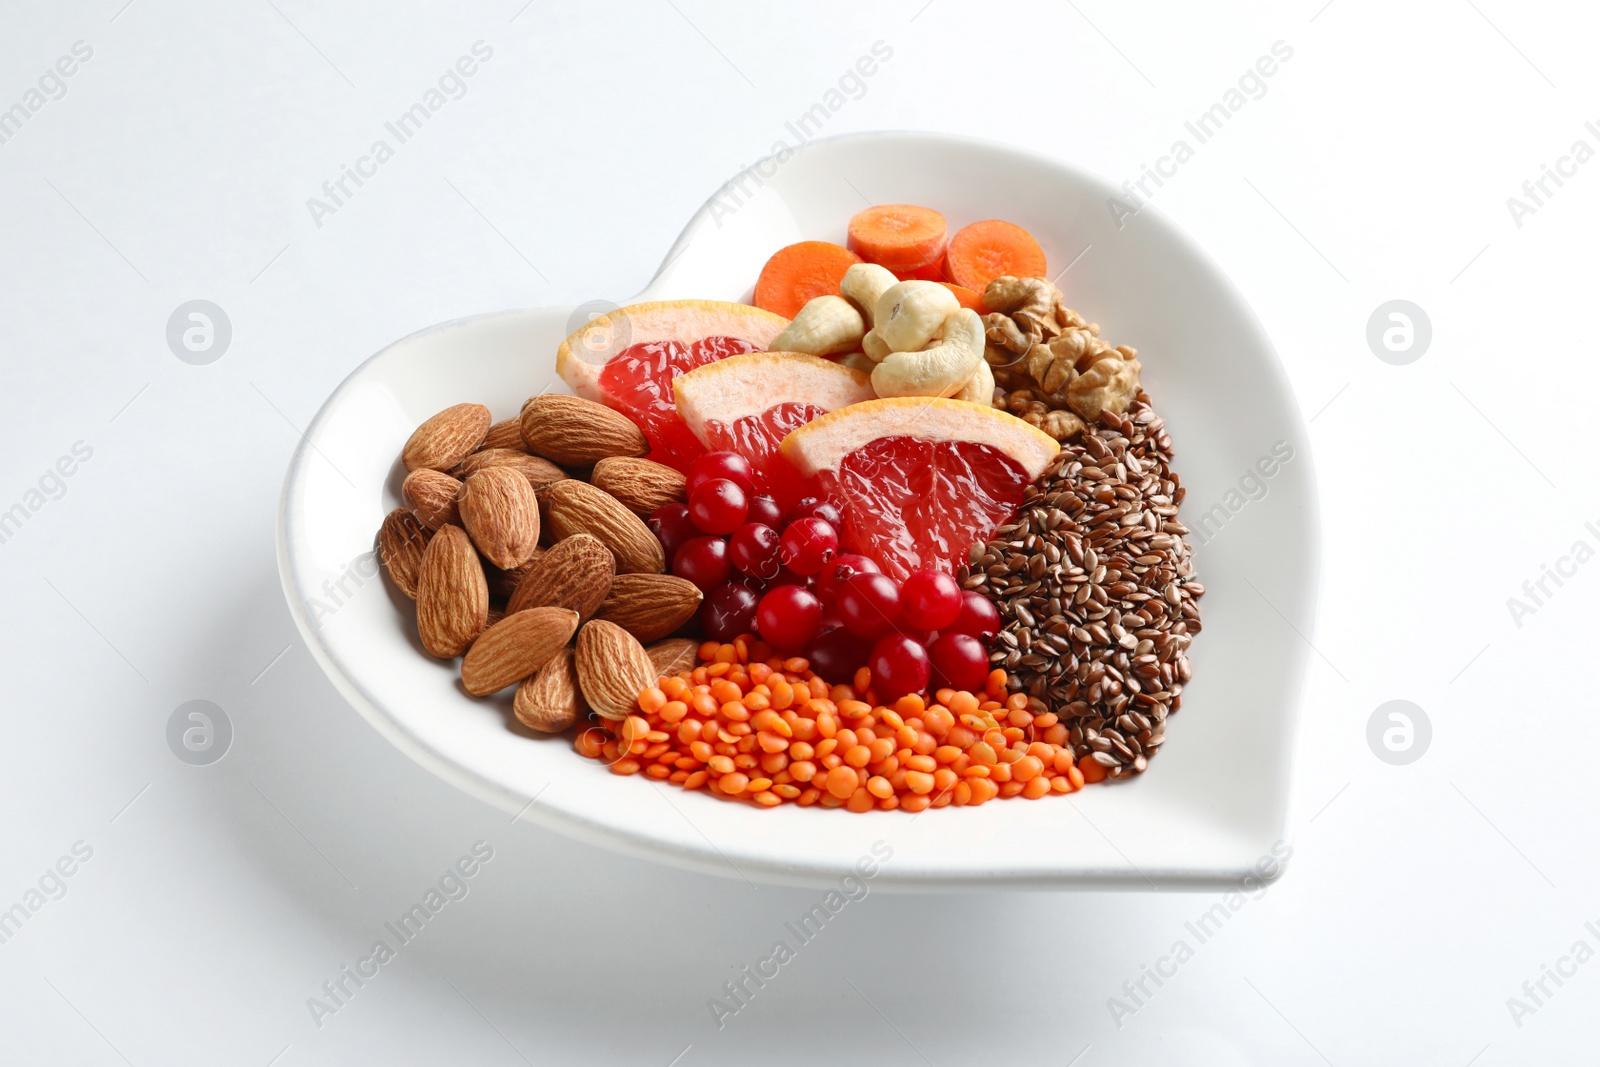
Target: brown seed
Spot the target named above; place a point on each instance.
(447, 438)
(578, 433)
(515, 647)
(574, 507)
(549, 701)
(650, 606)
(501, 512)
(613, 668)
(432, 496)
(539, 472)
(674, 655)
(452, 594)
(574, 573)
(507, 433)
(640, 485)
(401, 541)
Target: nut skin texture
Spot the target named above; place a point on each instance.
(539, 472)
(613, 668)
(447, 438)
(401, 542)
(825, 326)
(549, 702)
(673, 655)
(515, 647)
(501, 512)
(640, 485)
(575, 432)
(575, 573)
(503, 584)
(452, 594)
(432, 496)
(574, 507)
(650, 606)
(507, 433)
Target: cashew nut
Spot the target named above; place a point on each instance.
(910, 314)
(939, 370)
(856, 361)
(873, 346)
(825, 326)
(980, 387)
(863, 284)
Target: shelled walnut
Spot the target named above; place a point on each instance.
(1051, 366)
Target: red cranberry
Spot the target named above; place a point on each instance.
(718, 506)
(703, 561)
(899, 665)
(816, 507)
(714, 465)
(807, 544)
(729, 610)
(834, 573)
(978, 617)
(959, 662)
(837, 654)
(672, 526)
(765, 510)
(931, 599)
(788, 617)
(753, 549)
(869, 605)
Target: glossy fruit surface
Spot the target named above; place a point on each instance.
(703, 561)
(978, 617)
(638, 382)
(869, 605)
(672, 526)
(931, 599)
(753, 549)
(899, 665)
(788, 617)
(765, 510)
(837, 654)
(718, 506)
(959, 662)
(720, 464)
(729, 610)
(807, 544)
(837, 570)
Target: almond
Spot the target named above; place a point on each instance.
(401, 541)
(447, 438)
(674, 655)
(500, 511)
(640, 485)
(574, 507)
(576, 432)
(507, 433)
(575, 573)
(549, 701)
(650, 606)
(515, 647)
(503, 583)
(432, 495)
(452, 595)
(539, 472)
(613, 669)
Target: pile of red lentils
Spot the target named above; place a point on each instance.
(752, 726)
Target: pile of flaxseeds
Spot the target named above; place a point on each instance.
(1097, 600)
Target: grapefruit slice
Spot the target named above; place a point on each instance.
(919, 479)
(628, 358)
(749, 403)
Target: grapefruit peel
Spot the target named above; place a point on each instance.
(747, 385)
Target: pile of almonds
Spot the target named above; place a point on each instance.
(524, 545)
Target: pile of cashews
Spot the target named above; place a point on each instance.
(914, 336)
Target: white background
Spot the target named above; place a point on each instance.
(219, 898)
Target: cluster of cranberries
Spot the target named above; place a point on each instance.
(782, 576)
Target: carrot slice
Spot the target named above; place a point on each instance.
(933, 272)
(799, 272)
(967, 297)
(984, 251)
(901, 237)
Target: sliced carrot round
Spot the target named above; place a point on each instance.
(984, 251)
(933, 272)
(967, 297)
(797, 273)
(901, 237)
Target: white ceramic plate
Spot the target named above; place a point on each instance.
(1213, 803)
